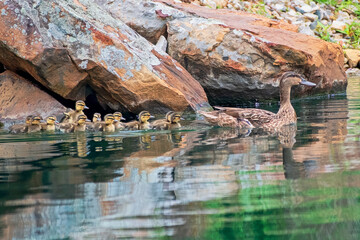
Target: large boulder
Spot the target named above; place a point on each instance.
(235, 55)
(76, 48)
(20, 98)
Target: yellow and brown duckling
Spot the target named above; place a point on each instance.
(50, 124)
(221, 119)
(171, 121)
(21, 128)
(142, 123)
(74, 114)
(269, 120)
(108, 125)
(95, 124)
(117, 123)
(35, 125)
(78, 126)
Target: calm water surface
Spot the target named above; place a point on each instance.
(192, 184)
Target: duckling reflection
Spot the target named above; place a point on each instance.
(81, 144)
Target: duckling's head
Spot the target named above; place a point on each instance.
(168, 116)
(80, 105)
(51, 120)
(118, 116)
(144, 116)
(36, 120)
(109, 119)
(28, 119)
(81, 119)
(175, 118)
(96, 117)
(293, 79)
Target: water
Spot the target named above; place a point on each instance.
(198, 184)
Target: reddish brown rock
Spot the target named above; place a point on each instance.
(20, 98)
(75, 49)
(235, 55)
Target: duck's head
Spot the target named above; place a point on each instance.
(168, 116)
(81, 119)
(118, 116)
(175, 118)
(36, 120)
(96, 117)
(109, 119)
(80, 105)
(51, 120)
(28, 119)
(293, 79)
(144, 116)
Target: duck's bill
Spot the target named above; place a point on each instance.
(307, 83)
(122, 118)
(152, 116)
(87, 120)
(86, 107)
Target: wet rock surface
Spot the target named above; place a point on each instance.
(20, 98)
(75, 48)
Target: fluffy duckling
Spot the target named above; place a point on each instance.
(21, 128)
(142, 123)
(117, 123)
(35, 125)
(73, 115)
(108, 125)
(78, 126)
(171, 121)
(50, 124)
(95, 124)
(269, 120)
(221, 119)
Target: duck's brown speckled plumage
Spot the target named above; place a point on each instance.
(268, 120)
(221, 119)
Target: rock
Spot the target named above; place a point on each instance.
(161, 44)
(304, 29)
(235, 57)
(313, 25)
(299, 10)
(338, 25)
(75, 49)
(306, 8)
(353, 72)
(311, 16)
(353, 56)
(20, 98)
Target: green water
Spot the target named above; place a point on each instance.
(193, 184)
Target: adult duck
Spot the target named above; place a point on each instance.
(221, 119)
(269, 120)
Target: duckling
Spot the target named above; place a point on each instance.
(142, 124)
(269, 120)
(50, 124)
(95, 124)
(117, 123)
(171, 121)
(21, 128)
(108, 125)
(78, 126)
(74, 114)
(160, 124)
(66, 117)
(35, 125)
(221, 119)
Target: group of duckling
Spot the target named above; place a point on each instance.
(77, 121)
